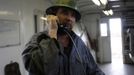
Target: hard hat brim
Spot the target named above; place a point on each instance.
(53, 9)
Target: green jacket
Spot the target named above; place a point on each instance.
(39, 52)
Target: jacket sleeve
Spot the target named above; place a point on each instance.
(32, 57)
(91, 68)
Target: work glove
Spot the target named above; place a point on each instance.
(52, 25)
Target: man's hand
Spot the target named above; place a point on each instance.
(52, 25)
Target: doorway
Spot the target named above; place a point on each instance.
(116, 40)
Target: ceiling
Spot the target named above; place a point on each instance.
(125, 7)
(87, 6)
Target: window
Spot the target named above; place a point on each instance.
(103, 29)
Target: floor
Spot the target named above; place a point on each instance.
(117, 69)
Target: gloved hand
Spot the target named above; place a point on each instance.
(52, 25)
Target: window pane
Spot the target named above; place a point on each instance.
(103, 28)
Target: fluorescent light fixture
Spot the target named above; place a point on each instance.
(116, 6)
(113, 0)
(104, 2)
(96, 2)
(110, 12)
(130, 55)
(99, 2)
(43, 18)
(105, 12)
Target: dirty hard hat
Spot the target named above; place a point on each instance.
(68, 4)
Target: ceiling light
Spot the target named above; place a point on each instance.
(105, 12)
(116, 6)
(96, 2)
(104, 2)
(113, 0)
(110, 12)
(100, 2)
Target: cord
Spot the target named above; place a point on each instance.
(76, 50)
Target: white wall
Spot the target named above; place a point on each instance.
(22, 11)
(92, 24)
(28, 11)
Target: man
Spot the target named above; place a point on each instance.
(59, 51)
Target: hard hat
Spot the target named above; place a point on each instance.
(68, 4)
